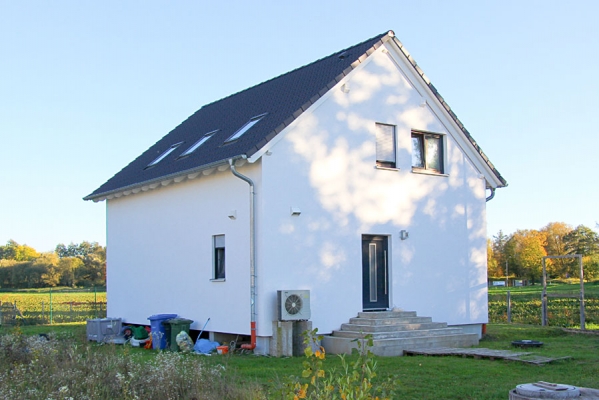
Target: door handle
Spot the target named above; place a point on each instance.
(385, 255)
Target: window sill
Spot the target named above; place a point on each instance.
(218, 280)
(427, 172)
(386, 168)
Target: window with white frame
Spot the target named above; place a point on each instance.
(427, 152)
(219, 256)
(385, 146)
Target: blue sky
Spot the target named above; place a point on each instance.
(85, 87)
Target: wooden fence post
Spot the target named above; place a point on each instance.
(509, 307)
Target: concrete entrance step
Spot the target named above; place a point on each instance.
(392, 327)
(399, 334)
(393, 332)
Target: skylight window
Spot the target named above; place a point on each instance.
(197, 144)
(245, 128)
(163, 155)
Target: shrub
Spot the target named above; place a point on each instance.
(355, 380)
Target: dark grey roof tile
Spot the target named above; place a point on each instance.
(307, 105)
(283, 98)
(272, 135)
(289, 120)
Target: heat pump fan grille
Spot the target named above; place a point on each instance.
(293, 304)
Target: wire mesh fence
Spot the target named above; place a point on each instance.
(563, 308)
(52, 306)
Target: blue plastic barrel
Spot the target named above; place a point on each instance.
(158, 330)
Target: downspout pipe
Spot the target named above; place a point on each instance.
(252, 345)
(491, 195)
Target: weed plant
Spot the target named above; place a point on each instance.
(60, 367)
(67, 366)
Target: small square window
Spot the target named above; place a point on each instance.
(427, 152)
(385, 146)
(219, 256)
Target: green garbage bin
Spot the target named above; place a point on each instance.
(173, 327)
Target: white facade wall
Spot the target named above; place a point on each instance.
(324, 164)
(160, 242)
(160, 253)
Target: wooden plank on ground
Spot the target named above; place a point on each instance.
(477, 353)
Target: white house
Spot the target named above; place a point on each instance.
(349, 177)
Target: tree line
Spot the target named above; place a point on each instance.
(521, 253)
(75, 265)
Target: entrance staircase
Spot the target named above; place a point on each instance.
(396, 331)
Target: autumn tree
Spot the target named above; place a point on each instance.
(584, 241)
(48, 263)
(18, 252)
(492, 270)
(555, 232)
(591, 267)
(91, 270)
(67, 267)
(525, 250)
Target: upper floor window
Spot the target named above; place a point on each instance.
(163, 155)
(253, 121)
(385, 146)
(427, 152)
(197, 144)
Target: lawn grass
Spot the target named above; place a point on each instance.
(419, 377)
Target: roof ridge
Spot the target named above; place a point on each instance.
(298, 68)
(358, 59)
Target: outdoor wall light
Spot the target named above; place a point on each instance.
(295, 211)
(403, 235)
(232, 214)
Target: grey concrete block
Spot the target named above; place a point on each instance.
(281, 344)
(299, 327)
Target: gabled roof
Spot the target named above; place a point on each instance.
(280, 100)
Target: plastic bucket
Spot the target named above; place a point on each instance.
(158, 331)
(222, 349)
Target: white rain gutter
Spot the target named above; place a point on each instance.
(252, 345)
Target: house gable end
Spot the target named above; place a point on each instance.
(441, 108)
(282, 100)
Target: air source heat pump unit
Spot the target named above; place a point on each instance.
(293, 305)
